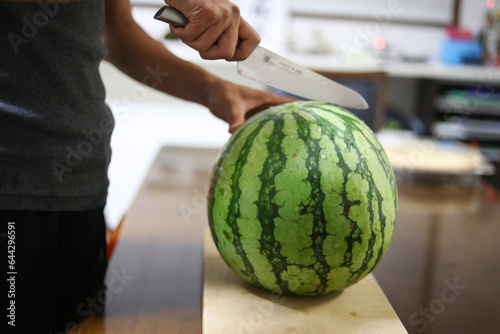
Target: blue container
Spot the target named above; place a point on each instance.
(457, 51)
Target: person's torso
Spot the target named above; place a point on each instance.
(54, 124)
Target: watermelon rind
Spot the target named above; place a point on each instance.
(303, 200)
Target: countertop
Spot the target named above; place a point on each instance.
(440, 272)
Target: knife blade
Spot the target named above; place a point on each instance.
(271, 69)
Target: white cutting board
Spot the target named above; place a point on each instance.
(232, 306)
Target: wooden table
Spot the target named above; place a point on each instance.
(441, 272)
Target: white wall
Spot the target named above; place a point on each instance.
(347, 38)
(436, 11)
(472, 14)
(339, 35)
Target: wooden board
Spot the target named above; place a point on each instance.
(231, 305)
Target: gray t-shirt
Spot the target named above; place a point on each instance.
(55, 127)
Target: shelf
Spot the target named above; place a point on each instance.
(467, 106)
(469, 130)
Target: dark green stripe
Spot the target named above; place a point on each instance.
(315, 207)
(215, 177)
(355, 234)
(267, 209)
(373, 189)
(390, 178)
(379, 151)
(346, 203)
(234, 209)
(366, 175)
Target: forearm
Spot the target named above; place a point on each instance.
(135, 53)
(146, 60)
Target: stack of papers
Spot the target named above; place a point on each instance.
(408, 153)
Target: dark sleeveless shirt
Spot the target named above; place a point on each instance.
(55, 127)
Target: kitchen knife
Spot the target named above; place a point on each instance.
(271, 69)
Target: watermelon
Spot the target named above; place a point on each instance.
(302, 200)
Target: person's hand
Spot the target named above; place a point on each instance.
(215, 29)
(232, 103)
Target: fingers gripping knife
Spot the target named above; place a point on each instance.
(267, 67)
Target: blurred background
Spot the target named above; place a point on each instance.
(429, 69)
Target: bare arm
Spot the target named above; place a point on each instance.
(138, 55)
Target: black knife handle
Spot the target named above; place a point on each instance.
(171, 16)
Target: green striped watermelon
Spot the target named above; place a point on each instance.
(302, 200)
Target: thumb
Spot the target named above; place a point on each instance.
(238, 120)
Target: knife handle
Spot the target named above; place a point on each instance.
(171, 16)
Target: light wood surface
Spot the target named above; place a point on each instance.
(232, 306)
(446, 232)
